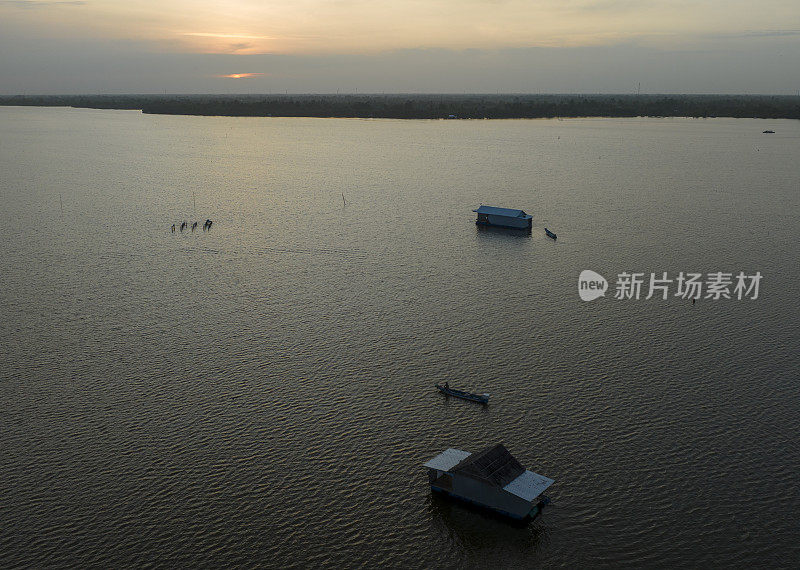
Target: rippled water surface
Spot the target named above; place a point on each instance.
(262, 393)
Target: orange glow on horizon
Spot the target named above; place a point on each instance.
(240, 75)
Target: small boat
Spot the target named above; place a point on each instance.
(482, 398)
(769, 132)
(550, 234)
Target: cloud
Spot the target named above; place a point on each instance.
(756, 57)
(227, 36)
(33, 4)
(614, 6)
(765, 34)
(242, 46)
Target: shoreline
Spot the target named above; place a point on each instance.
(433, 106)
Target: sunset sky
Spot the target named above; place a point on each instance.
(251, 46)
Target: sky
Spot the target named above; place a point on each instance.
(400, 46)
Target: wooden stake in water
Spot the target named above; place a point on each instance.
(61, 201)
(344, 203)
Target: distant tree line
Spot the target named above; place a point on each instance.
(434, 106)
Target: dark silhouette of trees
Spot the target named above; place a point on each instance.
(435, 106)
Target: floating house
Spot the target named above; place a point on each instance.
(503, 217)
(491, 478)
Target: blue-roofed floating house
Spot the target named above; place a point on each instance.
(503, 217)
(491, 478)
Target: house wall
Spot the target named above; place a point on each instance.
(508, 221)
(490, 496)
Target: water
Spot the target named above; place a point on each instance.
(262, 393)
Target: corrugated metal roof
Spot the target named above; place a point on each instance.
(529, 485)
(448, 459)
(502, 212)
(494, 465)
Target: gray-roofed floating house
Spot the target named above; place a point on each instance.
(490, 478)
(503, 217)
